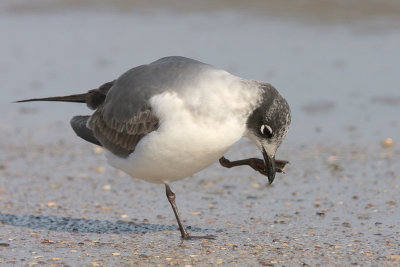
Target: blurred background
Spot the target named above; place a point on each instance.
(337, 62)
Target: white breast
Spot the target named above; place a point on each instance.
(197, 127)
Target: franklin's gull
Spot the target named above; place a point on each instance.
(169, 119)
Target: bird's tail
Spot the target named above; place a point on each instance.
(93, 98)
(79, 98)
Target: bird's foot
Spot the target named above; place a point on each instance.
(256, 164)
(225, 162)
(280, 165)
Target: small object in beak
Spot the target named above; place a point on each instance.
(269, 166)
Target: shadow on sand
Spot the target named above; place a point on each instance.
(67, 224)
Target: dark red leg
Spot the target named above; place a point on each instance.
(184, 234)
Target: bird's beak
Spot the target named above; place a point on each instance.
(269, 166)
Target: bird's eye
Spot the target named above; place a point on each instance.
(266, 131)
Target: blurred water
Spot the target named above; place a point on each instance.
(337, 63)
(341, 80)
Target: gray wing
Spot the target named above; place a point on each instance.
(124, 117)
(131, 92)
(78, 124)
(121, 137)
(93, 99)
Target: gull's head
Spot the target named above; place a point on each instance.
(268, 125)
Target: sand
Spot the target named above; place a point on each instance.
(338, 203)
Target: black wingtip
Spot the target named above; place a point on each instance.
(31, 100)
(79, 98)
(20, 101)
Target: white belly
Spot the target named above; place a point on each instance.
(195, 131)
(156, 161)
(180, 148)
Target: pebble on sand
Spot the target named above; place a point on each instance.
(106, 187)
(100, 169)
(388, 143)
(98, 150)
(51, 204)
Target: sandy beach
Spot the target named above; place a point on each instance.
(337, 64)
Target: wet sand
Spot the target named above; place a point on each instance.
(338, 202)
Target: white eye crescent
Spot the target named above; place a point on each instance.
(266, 130)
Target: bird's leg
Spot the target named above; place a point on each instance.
(171, 198)
(256, 164)
(184, 234)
